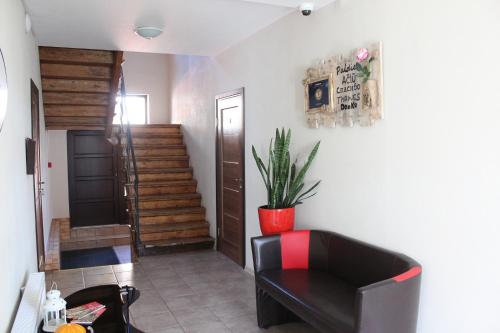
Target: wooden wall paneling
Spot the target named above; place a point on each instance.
(64, 71)
(54, 110)
(67, 55)
(65, 85)
(76, 98)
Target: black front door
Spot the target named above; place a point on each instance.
(93, 179)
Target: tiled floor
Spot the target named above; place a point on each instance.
(190, 292)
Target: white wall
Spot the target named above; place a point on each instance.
(146, 73)
(17, 218)
(424, 181)
(58, 156)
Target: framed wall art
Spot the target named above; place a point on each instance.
(319, 94)
(3, 90)
(356, 82)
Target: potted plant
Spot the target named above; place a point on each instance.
(284, 183)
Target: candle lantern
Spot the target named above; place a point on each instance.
(54, 311)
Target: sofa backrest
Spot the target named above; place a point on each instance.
(354, 261)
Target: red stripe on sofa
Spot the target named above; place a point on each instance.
(412, 272)
(295, 249)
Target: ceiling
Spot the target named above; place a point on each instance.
(195, 27)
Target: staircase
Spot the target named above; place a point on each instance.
(170, 214)
(79, 87)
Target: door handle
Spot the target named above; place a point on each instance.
(240, 182)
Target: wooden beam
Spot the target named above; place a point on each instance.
(71, 127)
(52, 121)
(75, 98)
(61, 85)
(54, 110)
(115, 81)
(75, 56)
(62, 71)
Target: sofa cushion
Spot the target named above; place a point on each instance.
(313, 295)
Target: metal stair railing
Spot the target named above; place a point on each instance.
(131, 186)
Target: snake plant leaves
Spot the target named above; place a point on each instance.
(284, 181)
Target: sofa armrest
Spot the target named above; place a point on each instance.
(266, 252)
(389, 306)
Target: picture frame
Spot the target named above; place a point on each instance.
(318, 94)
(30, 156)
(353, 84)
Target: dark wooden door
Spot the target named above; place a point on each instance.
(37, 178)
(231, 175)
(93, 179)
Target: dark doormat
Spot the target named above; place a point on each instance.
(89, 258)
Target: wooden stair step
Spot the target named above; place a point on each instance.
(176, 211)
(168, 139)
(64, 71)
(173, 245)
(159, 135)
(160, 150)
(174, 226)
(155, 146)
(176, 234)
(96, 121)
(154, 175)
(167, 187)
(75, 56)
(75, 98)
(175, 230)
(170, 197)
(149, 162)
(164, 158)
(54, 110)
(74, 127)
(166, 201)
(172, 183)
(165, 170)
(177, 215)
(170, 128)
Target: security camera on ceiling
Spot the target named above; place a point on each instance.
(306, 8)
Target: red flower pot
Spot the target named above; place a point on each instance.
(275, 221)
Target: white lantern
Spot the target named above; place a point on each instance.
(54, 311)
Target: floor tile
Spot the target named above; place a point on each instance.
(148, 303)
(141, 284)
(155, 322)
(209, 327)
(231, 309)
(127, 267)
(97, 270)
(195, 317)
(130, 275)
(100, 279)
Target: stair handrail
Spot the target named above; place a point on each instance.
(130, 161)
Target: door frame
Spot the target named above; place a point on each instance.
(37, 176)
(218, 167)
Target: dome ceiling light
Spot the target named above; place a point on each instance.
(148, 32)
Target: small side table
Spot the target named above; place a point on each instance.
(117, 301)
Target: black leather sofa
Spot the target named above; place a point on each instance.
(335, 283)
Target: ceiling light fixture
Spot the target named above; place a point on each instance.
(148, 32)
